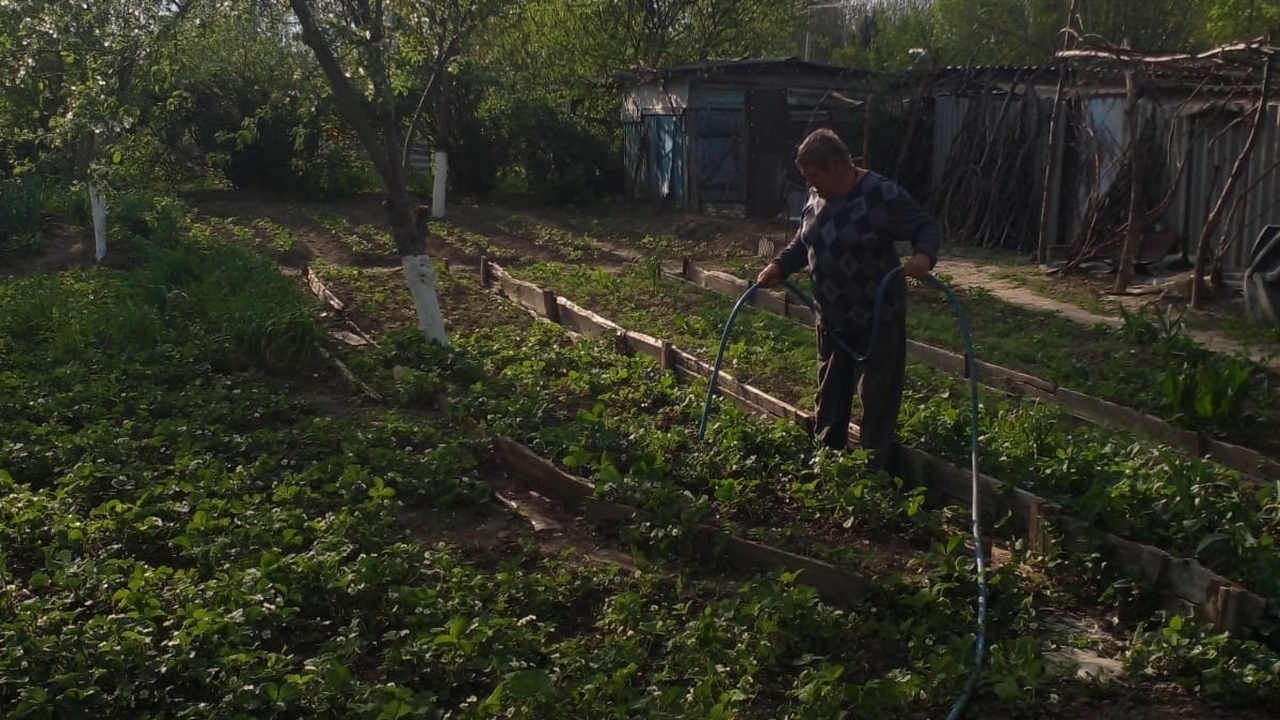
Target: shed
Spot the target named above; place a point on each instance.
(985, 145)
(720, 136)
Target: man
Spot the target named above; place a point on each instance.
(846, 237)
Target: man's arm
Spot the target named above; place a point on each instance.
(793, 257)
(905, 219)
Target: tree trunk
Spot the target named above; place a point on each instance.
(382, 149)
(1133, 231)
(97, 206)
(441, 184)
(443, 123)
(419, 271)
(99, 211)
(420, 274)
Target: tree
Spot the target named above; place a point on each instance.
(88, 65)
(431, 35)
(362, 88)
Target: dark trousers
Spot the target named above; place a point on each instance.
(878, 383)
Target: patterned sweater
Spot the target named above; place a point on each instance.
(848, 245)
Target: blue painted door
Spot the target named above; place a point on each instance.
(666, 157)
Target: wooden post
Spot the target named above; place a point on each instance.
(486, 274)
(668, 356)
(1133, 232)
(685, 270)
(1228, 619)
(1038, 528)
(1048, 198)
(550, 306)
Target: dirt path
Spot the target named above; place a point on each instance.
(969, 274)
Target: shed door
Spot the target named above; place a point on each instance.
(665, 135)
(721, 154)
(770, 147)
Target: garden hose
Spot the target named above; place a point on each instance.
(980, 643)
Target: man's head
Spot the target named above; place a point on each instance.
(825, 163)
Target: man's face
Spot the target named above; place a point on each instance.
(827, 180)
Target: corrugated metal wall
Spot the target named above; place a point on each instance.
(1256, 201)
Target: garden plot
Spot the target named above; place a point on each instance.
(1159, 655)
(1178, 524)
(553, 373)
(1202, 401)
(1134, 491)
(198, 521)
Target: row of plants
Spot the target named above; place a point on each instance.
(1190, 507)
(1150, 362)
(1184, 652)
(1136, 489)
(188, 530)
(629, 428)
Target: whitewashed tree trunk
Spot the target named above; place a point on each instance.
(420, 274)
(99, 211)
(441, 183)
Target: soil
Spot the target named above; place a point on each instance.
(65, 248)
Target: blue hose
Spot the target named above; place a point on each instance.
(980, 643)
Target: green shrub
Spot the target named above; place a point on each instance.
(22, 222)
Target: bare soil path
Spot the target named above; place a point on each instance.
(970, 274)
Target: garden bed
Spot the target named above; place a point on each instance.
(1216, 598)
(1257, 467)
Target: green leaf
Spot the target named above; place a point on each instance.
(528, 683)
(1007, 689)
(1209, 540)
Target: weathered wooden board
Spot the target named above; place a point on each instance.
(321, 291)
(646, 345)
(726, 382)
(580, 320)
(1243, 459)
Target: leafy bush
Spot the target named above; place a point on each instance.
(1205, 661)
(22, 221)
(557, 155)
(1210, 394)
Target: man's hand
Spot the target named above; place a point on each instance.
(917, 267)
(769, 276)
